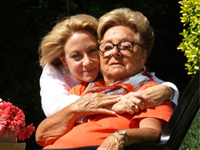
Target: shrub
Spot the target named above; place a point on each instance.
(192, 138)
(190, 44)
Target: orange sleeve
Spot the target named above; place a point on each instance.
(163, 111)
(78, 89)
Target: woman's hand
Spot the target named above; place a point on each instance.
(134, 102)
(130, 103)
(110, 143)
(58, 124)
(156, 95)
(95, 103)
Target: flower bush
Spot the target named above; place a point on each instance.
(12, 121)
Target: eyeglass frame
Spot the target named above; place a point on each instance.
(118, 49)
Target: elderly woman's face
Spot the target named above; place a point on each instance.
(117, 66)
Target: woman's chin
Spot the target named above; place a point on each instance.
(89, 79)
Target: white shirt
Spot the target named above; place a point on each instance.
(54, 89)
(55, 86)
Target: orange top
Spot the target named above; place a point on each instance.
(98, 127)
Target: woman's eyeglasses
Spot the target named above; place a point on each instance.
(123, 47)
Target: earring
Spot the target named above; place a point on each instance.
(144, 68)
(65, 71)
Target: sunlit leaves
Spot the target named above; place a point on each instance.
(190, 44)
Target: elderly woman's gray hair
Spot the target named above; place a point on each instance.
(129, 18)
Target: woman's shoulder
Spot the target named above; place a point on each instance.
(52, 71)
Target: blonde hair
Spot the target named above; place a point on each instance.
(129, 18)
(52, 45)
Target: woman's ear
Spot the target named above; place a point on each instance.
(63, 62)
(144, 56)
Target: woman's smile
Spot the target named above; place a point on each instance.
(88, 71)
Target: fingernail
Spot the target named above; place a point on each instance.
(113, 112)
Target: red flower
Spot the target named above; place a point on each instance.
(12, 121)
(16, 117)
(2, 124)
(26, 132)
(4, 105)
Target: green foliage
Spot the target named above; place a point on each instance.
(191, 36)
(192, 138)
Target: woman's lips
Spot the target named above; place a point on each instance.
(116, 63)
(88, 71)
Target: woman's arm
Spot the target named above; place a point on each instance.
(170, 85)
(54, 90)
(175, 90)
(133, 102)
(149, 131)
(55, 126)
(156, 95)
(61, 122)
(55, 96)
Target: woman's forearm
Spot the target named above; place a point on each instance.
(60, 123)
(149, 131)
(144, 135)
(56, 125)
(176, 91)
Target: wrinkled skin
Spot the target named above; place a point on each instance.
(149, 98)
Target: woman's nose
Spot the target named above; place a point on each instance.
(115, 51)
(86, 61)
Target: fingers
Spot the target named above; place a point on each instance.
(105, 111)
(109, 97)
(142, 96)
(128, 104)
(123, 106)
(106, 102)
(140, 99)
(138, 104)
(99, 99)
(130, 110)
(137, 99)
(135, 108)
(109, 101)
(110, 143)
(93, 103)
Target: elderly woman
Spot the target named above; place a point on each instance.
(126, 40)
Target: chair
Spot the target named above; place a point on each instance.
(178, 125)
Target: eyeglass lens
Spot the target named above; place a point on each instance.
(124, 47)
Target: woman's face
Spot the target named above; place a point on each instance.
(81, 56)
(117, 66)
